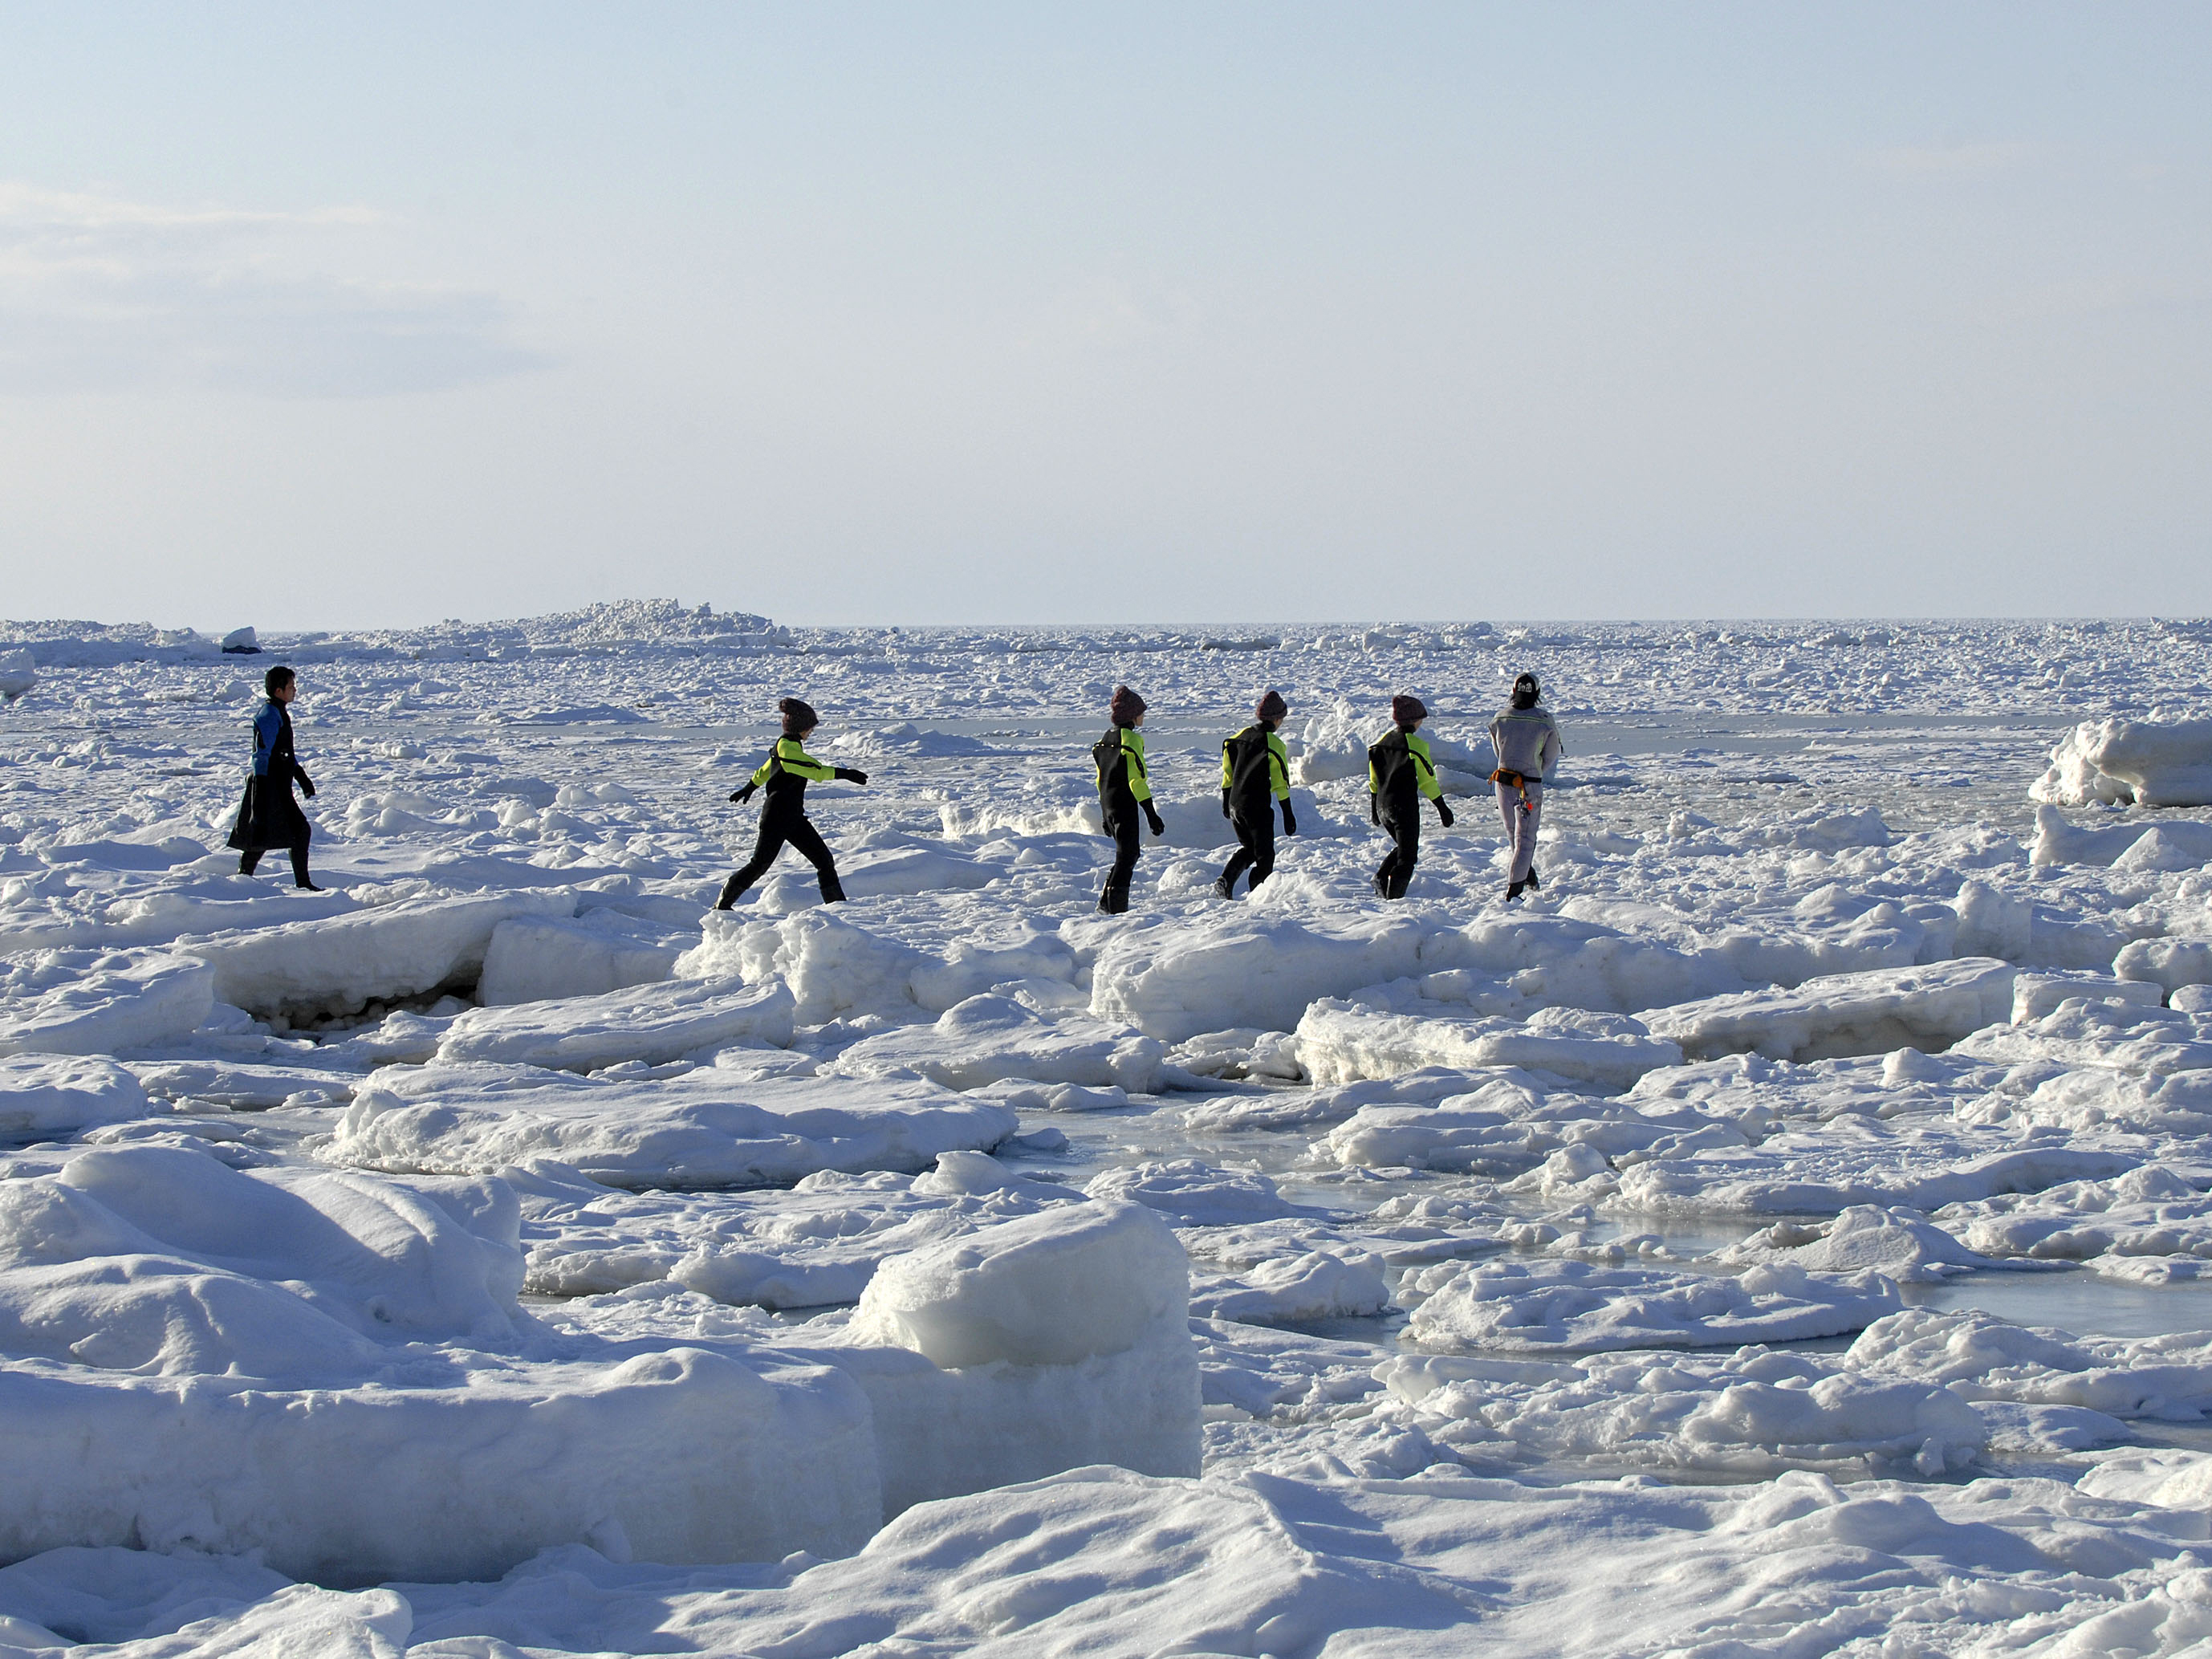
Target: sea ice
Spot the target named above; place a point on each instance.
(535, 958)
(42, 1096)
(692, 1131)
(987, 1039)
(648, 1022)
(91, 1002)
(338, 964)
(2131, 762)
(1862, 1013)
(505, 1214)
(1345, 1041)
(1571, 1307)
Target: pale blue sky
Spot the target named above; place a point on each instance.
(332, 316)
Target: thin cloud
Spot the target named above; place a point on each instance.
(98, 292)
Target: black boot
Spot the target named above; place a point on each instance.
(732, 891)
(1535, 884)
(833, 891)
(1513, 890)
(1225, 886)
(1114, 899)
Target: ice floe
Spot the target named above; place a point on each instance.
(2131, 762)
(512, 1251)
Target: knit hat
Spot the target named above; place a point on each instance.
(1407, 708)
(1526, 691)
(799, 717)
(1272, 707)
(1126, 707)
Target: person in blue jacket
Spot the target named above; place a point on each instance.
(268, 817)
(784, 774)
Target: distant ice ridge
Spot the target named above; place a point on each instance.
(626, 623)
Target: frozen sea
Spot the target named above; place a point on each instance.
(1789, 1232)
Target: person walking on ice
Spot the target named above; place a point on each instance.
(1527, 741)
(784, 774)
(1123, 786)
(1255, 774)
(1399, 773)
(268, 817)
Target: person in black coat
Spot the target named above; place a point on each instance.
(268, 817)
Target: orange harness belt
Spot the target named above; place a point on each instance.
(1519, 781)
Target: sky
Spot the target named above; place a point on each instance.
(350, 316)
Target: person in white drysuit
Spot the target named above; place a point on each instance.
(1528, 744)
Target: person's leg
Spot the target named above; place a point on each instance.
(248, 860)
(1239, 862)
(1406, 833)
(302, 833)
(1116, 898)
(1259, 838)
(1225, 883)
(1524, 833)
(1508, 808)
(764, 851)
(816, 851)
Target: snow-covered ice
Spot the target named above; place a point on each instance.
(650, 1024)
(2124, 761)
(1800, 1206)
(1574, 1307)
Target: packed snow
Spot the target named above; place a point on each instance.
(1786, 1231)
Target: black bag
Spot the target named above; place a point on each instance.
(1106, 753)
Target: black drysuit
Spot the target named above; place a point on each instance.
(1399, 773)
(1124, 790)
(784, 776)
(1255, 775)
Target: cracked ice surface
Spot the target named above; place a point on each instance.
(1784, 1234)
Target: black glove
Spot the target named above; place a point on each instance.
(306, 783)
(1152, 817)
(849, 774)
(1374, 810)
(744, 794)
(1290, 820)
(1443, 812)
(1224, 803)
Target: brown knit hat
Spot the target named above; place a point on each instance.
(799, 717)
(1405, 708)
(1272, 707)
(1126, 707)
